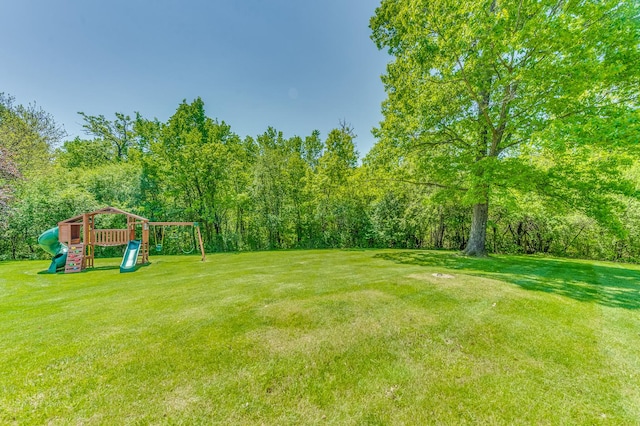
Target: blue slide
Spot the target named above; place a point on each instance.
(49, 243)
(130, 256)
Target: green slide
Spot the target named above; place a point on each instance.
(49, 243)
(130, 256)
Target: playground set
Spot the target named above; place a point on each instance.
(72, 243)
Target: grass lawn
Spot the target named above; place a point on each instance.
(322, 337)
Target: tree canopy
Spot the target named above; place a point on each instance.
(28, 135)
(492, 96)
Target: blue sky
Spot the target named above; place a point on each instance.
(295, 65)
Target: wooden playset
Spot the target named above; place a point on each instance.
(80, 236)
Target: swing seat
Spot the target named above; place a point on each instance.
(158, 248)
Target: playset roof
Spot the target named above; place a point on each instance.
(105, 210)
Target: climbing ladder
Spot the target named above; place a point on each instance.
(75, 257)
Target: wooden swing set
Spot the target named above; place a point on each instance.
(189, 238)
(80, 235)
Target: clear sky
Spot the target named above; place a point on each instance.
(296, 65)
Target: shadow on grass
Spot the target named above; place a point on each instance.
(101, 268)
(584, 281)
(94, 269)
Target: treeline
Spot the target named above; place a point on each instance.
(265, 192)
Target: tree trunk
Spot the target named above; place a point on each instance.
(476, 245)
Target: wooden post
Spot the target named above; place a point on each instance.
(85, 239)
(89, 244)
(131, 226)
(145, 242)
(197, 226)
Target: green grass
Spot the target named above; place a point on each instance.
(322, 337)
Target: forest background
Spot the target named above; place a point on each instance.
(267, 192)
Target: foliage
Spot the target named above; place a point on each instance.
(477, 88)
(41, 203)
(118, 133)
(79, 153)
(190, 157)
(278, 192)
(8, 173)
(28, 135)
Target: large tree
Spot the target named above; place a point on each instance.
(479, 88)
(27, 136)
(190, 160)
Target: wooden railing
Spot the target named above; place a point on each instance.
(110, 237)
